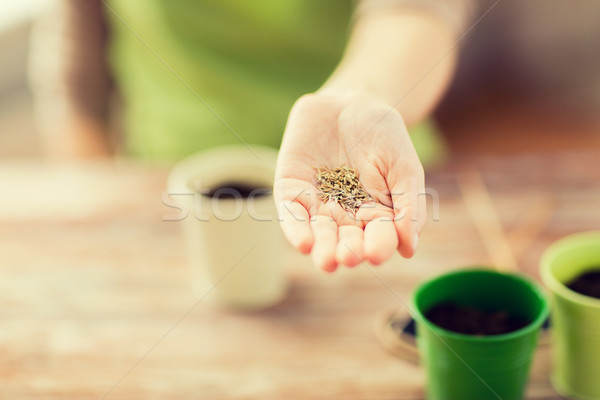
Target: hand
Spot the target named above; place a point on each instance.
(333, 129)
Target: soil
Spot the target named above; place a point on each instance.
(473, 321)
(587, 283)
(231, 190)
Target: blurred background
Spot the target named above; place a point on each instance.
(539, 76)
(17, 128)
(91, 278)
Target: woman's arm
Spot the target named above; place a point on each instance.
(403, 52)
(70, 80)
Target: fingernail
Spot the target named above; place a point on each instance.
(415, 241)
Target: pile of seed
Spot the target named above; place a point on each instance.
(341, 184)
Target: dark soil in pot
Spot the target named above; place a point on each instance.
(588, 283)
(232, 190)
(473, 321)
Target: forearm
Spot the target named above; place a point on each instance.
(70, 79)
(404, 55)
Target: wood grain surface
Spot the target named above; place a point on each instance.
(95, 296)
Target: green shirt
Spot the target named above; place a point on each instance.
(196, 73)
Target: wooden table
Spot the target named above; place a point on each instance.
(95, 298)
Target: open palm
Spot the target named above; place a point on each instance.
(329, 129)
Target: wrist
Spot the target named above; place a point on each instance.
(404, 59)
(351, 92)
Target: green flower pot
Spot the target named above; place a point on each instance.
(575, 317)
(468, 367)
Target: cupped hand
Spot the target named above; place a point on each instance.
(334, 129)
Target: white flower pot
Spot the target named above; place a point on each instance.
(235, 244)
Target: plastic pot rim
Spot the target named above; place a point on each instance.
(563, 245)
(441, 332)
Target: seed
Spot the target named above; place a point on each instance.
(341, 184)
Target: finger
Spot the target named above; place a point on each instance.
(408, 235)
(372, 210)
(410, 214)
(349, 247)
(380, 240)
(323, 250)
(295, 224)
